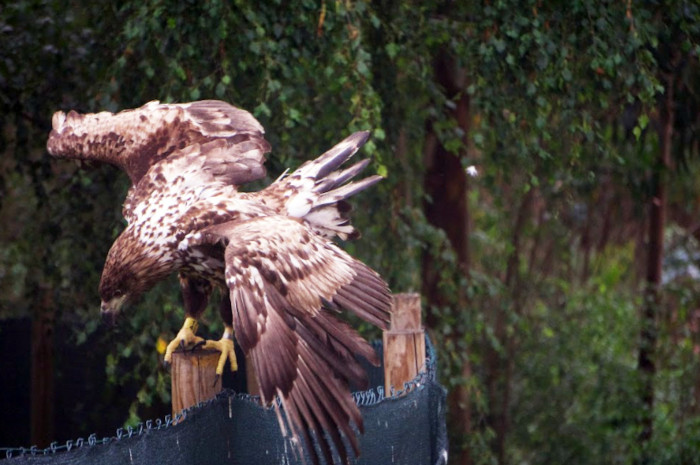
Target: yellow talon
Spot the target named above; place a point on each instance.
(225, 346)
(185, 337)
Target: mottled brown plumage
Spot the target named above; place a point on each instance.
(271, 249)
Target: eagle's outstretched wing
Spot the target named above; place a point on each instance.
(286, 283)
(135, 140)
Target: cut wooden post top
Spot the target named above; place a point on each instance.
(404, 343)
(194, 378)
(406, 312)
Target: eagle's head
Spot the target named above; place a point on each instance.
(116, 289)
(131, 269)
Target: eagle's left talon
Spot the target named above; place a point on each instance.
(225, 346)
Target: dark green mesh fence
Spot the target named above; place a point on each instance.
(406, 428)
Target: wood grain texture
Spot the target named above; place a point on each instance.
(404, 342)
(252, 384)
(194, 378)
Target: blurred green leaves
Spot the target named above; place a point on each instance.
(561, 109)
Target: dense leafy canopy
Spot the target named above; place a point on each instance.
(559, 107)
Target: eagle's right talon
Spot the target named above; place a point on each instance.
(185, 338)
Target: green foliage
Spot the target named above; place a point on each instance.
(562, 120)
(582, 403)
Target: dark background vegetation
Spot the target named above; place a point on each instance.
(560, 285)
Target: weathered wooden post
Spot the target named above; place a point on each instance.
(193, 378)
(251, 378)
(404, 342)
(194, 373)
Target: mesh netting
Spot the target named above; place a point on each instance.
(407, 427)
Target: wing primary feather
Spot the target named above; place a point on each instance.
(329, 182)
(369, 303)
(347, 190)
(296, 422)
(350, 342)
(321, 418)
(340, 153)
(329, 417)
(357, 306)
(373, 288)
(343, 363)
(311, 424)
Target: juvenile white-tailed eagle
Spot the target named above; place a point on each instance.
(270, 249)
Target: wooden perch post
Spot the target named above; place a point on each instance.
(404, 342)
(194, 373)
(251, 378)
(194, 378)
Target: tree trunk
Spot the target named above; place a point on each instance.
(446, 187)
(652, 293)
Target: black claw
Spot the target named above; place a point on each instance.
(198, 344)
(166, 364)
(216, 379)
(182, 345)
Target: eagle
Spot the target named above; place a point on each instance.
(285, 283)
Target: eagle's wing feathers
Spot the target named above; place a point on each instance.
(286, 284)
(135, 140)
(317, 191)
(200, 167)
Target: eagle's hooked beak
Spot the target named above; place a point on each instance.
(110, 309)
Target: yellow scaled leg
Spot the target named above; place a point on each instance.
(225, 346)
(185, 338)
